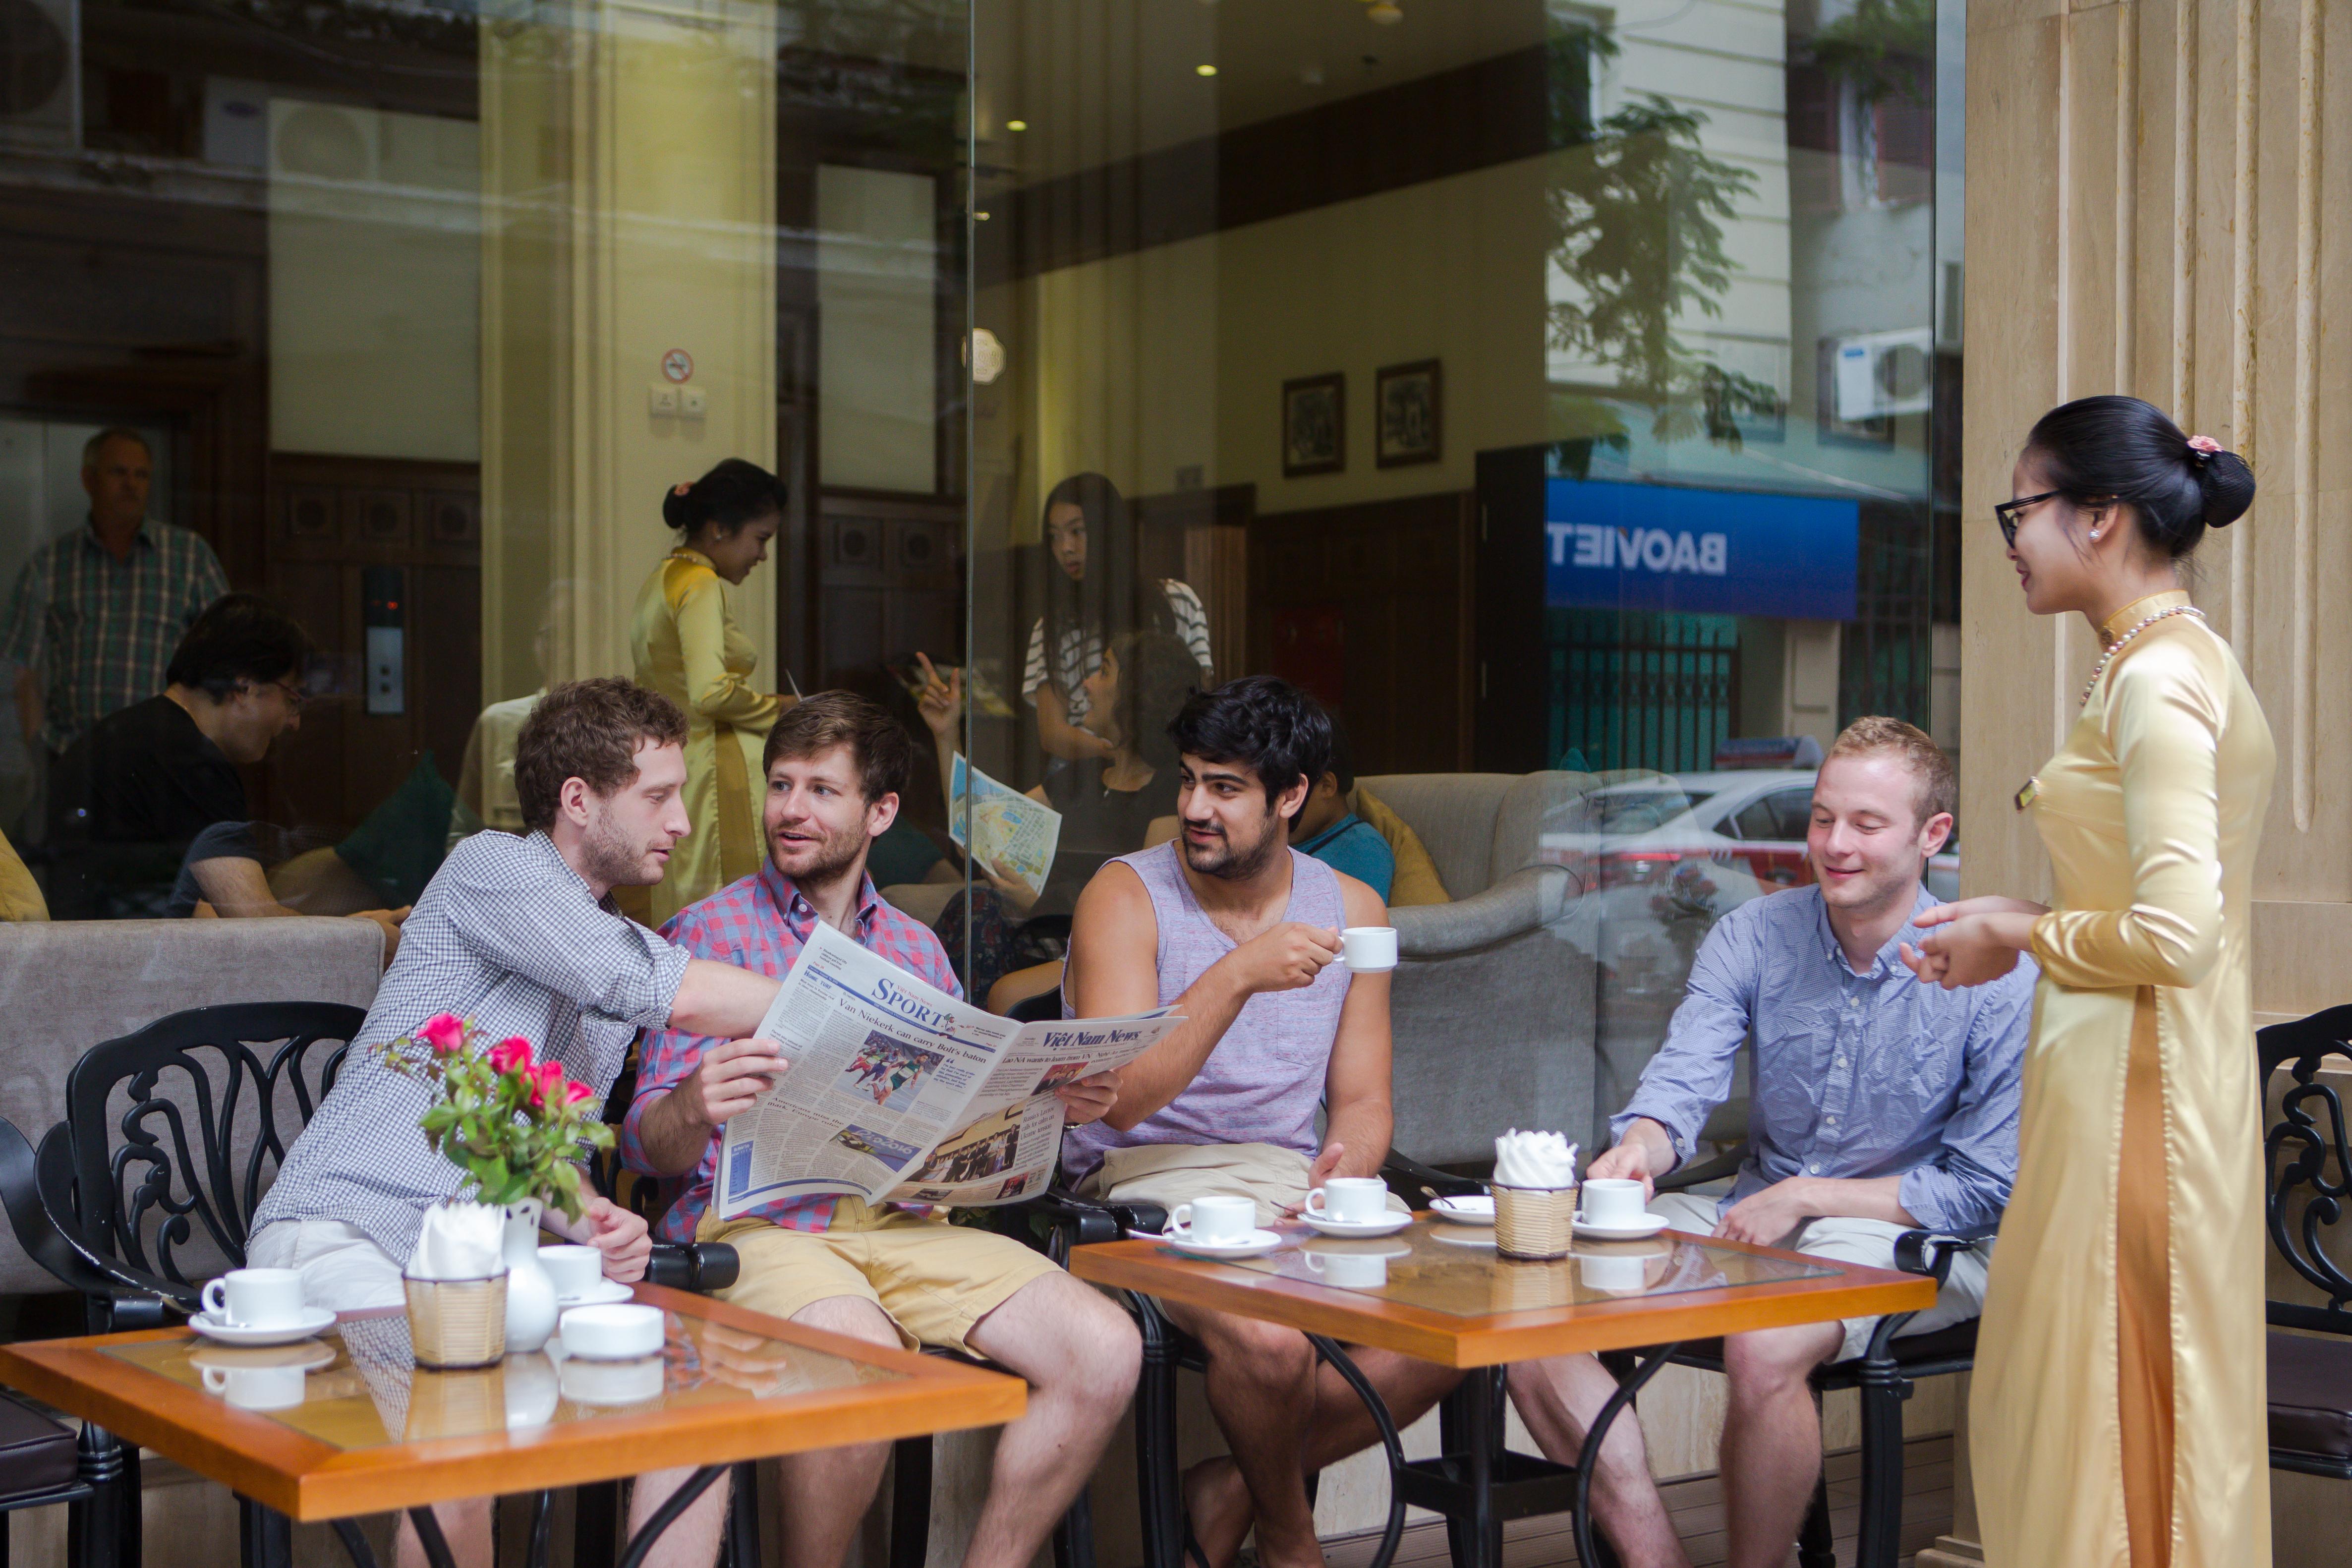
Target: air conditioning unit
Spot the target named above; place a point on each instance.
(40, 73)
(1879, 374)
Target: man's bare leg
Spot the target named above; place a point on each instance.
(1772, 1438)
(1215, 1498)
(1559, 1399)
(1079, 1355)
(465, 1526)
(826, 1491)
(692, 1539)
(1261, 1380)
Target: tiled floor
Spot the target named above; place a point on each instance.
(1697, 1507)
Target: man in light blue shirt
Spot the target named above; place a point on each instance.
(1879, 1105)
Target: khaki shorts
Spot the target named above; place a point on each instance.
(1173, 1174)
(1865, 1242)
(934, 1280)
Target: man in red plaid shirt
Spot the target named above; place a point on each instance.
(836, 766)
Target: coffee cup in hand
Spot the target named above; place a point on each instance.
(1369, 950)
(1217, 1221)
(1350, 1200)
(255, 1298)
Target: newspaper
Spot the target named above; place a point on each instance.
(1012, 835)
(899, 1093)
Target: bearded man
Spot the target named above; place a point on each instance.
(836, 766)
(518, 935)
(1240, 931)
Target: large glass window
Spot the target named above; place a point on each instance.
(1564, 395)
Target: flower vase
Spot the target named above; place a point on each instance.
(530, 1294)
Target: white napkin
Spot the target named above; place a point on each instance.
(1534, 1160)
(460, 1241)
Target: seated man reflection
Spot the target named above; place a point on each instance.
(1241, 933)
(1880, 1105)
(835, 767)
(1327, 828)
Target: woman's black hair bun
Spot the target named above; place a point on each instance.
(732, 493)
(2228, 484)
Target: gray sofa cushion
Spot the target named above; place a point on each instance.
(70, 985)
(1455, 816)
(1536, 803)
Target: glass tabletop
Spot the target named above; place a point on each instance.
(1454, 1268)
(357, 1386)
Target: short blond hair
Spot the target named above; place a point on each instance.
(1877, 735)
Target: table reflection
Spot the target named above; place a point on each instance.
(1454, 1268)
(358, 1386)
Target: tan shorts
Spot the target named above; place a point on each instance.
(1173, 1174)
(934, 1280)
(1865, 1242)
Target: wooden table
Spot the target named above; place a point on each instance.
(367, 1432)
(1440, 1292)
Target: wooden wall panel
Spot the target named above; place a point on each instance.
(2156, 206)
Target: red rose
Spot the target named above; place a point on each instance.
(573, 1093)
(547, 1082)
(511, 1054)
(445, 1031)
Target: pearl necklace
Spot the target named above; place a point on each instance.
(2116, 647)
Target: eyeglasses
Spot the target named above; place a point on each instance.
(2008, 512)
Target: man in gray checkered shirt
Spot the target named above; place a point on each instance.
(519, 936)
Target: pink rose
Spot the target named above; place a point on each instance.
(445, 1031)
(573, 1093)
(511, 1054)
(547, 1082)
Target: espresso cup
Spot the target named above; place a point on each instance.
(1350, 1270)
(572, 1269)
(1350, 1200)
(1218, 1221)
(257, 1387)
(1368, 950)
(255, 1298)
(1610, 1201)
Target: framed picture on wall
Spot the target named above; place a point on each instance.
(1313, 424)
(1408, 413)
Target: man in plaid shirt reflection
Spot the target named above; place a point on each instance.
(836, 766)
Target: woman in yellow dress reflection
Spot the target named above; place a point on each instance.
(689, 648)
(2118, 1412)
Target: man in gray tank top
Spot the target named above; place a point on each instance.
(1243, 932)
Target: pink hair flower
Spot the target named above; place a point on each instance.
(680, 490)
(511, 1054)
(445, 1031)
(2204, 447)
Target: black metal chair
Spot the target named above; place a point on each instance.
(2306, 1155)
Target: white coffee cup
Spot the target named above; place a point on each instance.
(1368, 950)
(1350, 1200)
(255, 1298)
(621, 1331)
(1218, 1221)
(257, 1387)
(572, 1269)
(1610, 1201)
(1350, 1270)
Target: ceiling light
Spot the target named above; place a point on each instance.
(1386, 13)
(986, 355)
(1016, 125)
(1204, 70)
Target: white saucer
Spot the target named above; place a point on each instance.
(1257, 1242)
(313, 1320)
(1360, 1249)
(602, 1293)
(1648, 1224)
(1463, 1236)
(1387, 1225)
(1475, 1209)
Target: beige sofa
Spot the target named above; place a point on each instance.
(63, 987)
(1494, 997)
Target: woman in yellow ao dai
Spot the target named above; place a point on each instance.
(689, 648)
(2118, 1414)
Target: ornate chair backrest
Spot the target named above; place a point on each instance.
(2306, 1159)
(179, 1128)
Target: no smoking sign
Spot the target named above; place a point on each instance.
(677, 365)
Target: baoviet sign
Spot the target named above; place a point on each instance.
(1658, 547)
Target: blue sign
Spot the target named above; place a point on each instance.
(1727, 552)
